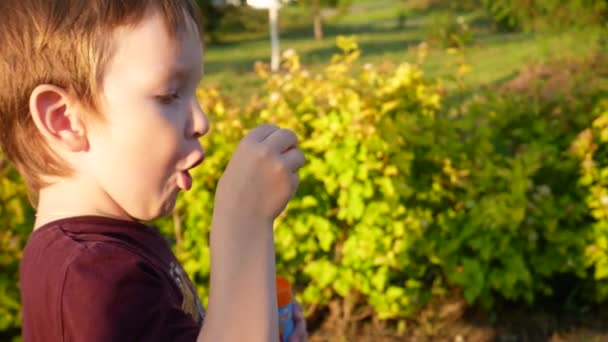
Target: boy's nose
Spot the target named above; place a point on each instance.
(200, 122)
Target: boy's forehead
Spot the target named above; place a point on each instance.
(151, 44)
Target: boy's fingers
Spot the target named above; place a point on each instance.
(281, 141)
(297, 312)
(261, 132)
(294, 159)
(300, 334)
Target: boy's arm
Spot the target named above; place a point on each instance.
(242, 301)
(259, 181)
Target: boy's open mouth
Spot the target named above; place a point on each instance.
(184, 180)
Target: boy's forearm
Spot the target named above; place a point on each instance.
(242, 300)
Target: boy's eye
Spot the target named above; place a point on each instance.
(168, 99)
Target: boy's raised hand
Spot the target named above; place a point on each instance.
(259, 180)
(262, 175)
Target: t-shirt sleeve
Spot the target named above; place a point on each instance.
(112, 294)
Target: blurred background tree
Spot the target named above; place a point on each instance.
(316, 7)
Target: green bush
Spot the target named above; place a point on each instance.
(16, 222)
(332, 238)
(517, 217)
(591, 148)
(403, 198)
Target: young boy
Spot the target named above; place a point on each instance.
(98, 113)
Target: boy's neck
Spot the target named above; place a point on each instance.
(71, 198)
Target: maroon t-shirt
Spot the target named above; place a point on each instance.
(101, 279)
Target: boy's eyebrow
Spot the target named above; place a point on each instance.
(183, 73)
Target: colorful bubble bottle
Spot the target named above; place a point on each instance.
(285, 300)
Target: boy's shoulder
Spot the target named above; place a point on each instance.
(99, 277)
(62, 247)
(89, 236)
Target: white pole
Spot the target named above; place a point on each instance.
(273, 14)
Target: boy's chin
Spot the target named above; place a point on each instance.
(165, 209)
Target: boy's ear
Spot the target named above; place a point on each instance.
(57, 118)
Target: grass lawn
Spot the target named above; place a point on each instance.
(494, 56)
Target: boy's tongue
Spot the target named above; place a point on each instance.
(184, 180)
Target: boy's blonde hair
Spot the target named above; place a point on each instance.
(66, 43)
